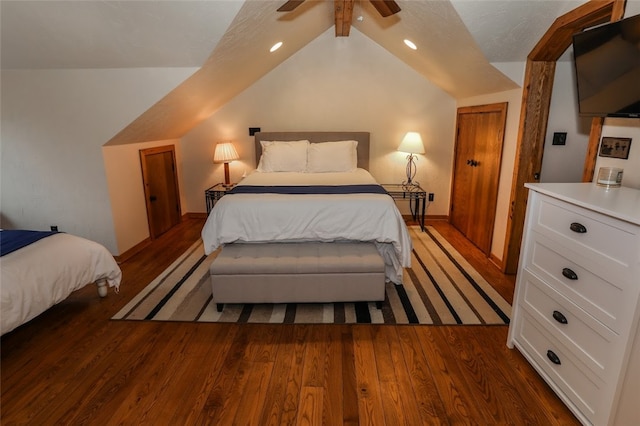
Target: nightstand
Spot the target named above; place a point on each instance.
(416, 196)
(213, 194)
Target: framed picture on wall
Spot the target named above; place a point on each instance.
(615, 147)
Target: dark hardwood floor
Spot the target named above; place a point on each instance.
(73, 365)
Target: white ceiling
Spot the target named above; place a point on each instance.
(506, 31)
(111, 34)
(183, 33)
(457, 42)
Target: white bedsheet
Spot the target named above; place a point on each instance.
(36, 277)
(312, 217)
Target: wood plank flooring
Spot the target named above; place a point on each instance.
(72, 365)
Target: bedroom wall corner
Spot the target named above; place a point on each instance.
(126, 190)
(53, 126)
(334, 84)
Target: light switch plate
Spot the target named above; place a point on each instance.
(559, 138)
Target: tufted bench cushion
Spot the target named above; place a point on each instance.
(297, 273)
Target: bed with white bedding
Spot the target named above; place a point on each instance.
(38, 275)
(309, 209)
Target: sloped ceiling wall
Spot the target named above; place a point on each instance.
(240, 58)
(448, 56)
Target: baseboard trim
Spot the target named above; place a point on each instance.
(408, 217)
(133, 251)
(195, 216)
(498, 262)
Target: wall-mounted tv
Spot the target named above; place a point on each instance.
(607, 65)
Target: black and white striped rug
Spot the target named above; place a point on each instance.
(440, 288)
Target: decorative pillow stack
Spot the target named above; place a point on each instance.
(302, 156)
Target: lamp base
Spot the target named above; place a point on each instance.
(227, 181)
(411, 172)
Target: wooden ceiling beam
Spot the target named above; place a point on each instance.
(343, 16)
(290, 5)
(385, 7)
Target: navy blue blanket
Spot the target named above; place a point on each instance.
(309, 189)
(12, 240)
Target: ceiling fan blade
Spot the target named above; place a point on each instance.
(386, 7)
(290, 5)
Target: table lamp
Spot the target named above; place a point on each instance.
(412, 144)
(225, 153)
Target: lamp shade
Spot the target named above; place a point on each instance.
(412, 143)
(225, 152)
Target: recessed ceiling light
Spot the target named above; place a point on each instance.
(275, 47)
(411, 44)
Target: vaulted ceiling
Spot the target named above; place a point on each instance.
(457, 42)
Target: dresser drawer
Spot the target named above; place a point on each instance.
(588, 339)
(603, 235)
(598, 285)
(571, 379)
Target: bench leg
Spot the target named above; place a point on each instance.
(219, 306)
(379, 304)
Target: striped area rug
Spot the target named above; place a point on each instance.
(440, 288)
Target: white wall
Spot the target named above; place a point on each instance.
(53, 126)
(623, 128)
(334, 83)
(565, 163)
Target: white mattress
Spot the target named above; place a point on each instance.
(312, 217)
(36, 277)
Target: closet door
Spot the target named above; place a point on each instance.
(478, 155)
(160, 180)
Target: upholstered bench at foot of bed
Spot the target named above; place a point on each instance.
(311, 272)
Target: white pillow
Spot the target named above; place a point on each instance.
(341, 156)
(283, 156)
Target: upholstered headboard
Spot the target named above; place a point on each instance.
(315, 137)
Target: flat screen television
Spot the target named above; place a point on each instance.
(607, 65)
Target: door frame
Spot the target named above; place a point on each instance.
(147, 197)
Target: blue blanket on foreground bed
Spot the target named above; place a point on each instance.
(12, 240)
(308, 189)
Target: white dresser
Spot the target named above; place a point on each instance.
(576, 304)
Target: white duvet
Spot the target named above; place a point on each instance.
(36, 277)
(312, 217)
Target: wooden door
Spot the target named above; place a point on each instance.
(478, 154)
(160, 181)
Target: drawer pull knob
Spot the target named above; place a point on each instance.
(558, 316)
(578, 227)
(553, 357)
(568, 273)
